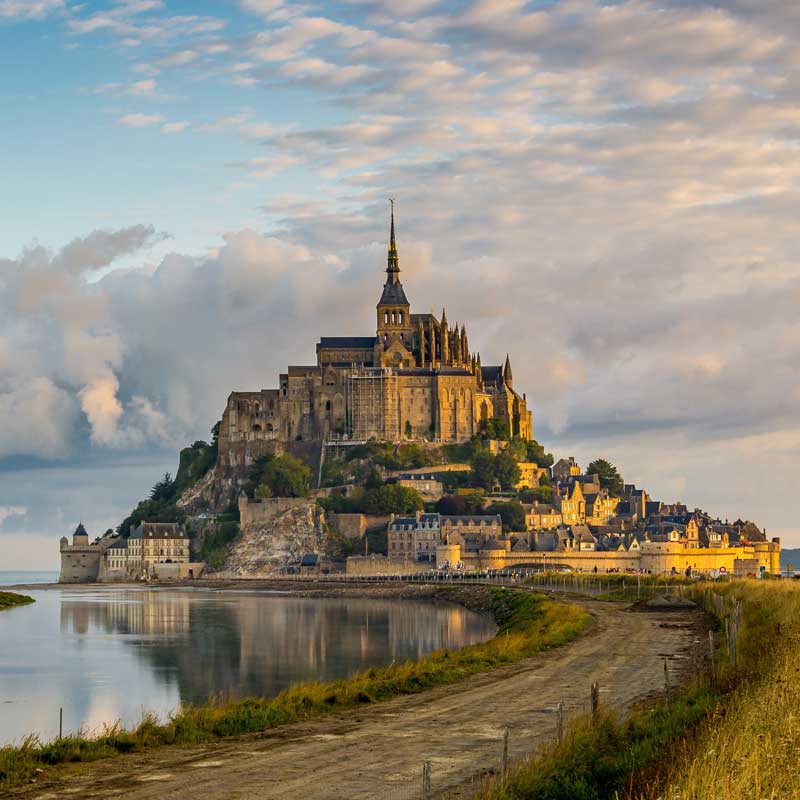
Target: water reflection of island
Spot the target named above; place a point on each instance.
(236, 645)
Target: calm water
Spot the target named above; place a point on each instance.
(13, 578)
(108, 654)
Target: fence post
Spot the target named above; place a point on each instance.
(666, 677)
(711, 654)
(595, 699)
(60, 722)
(505, 751)
(426, 780)
(560, 721)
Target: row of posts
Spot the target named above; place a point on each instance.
(595, 707)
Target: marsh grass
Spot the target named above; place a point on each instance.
(751, 747)
(527, 624)
(11, 599)
(598, 758)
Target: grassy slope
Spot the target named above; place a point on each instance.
(11, 599)
(737, 737)
(752, 748)
(528, 623)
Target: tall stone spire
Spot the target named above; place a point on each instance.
(507, 376)
(392, 262)
(421, 337)
(445, 339)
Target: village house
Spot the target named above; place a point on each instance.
(539, 516)
(158, 543)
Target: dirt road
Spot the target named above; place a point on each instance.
(378, 752)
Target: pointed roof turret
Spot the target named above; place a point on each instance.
(393, 294)
(507, 376)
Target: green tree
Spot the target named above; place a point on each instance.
(163, 490)
(537, 454)
(609, 476)
(409, 431)
(543, 494)
(373, 480)
(518, 448)
(506, 469)
(512, 514)
(483, 466)
(497, 428)
(392, 499)
(285, 476)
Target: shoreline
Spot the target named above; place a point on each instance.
(472, 597)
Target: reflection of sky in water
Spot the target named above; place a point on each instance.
(109, 654)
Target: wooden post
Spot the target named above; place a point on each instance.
(666, 677)
(60, 722)
(505, 751)
(426, 780)
(711, 654)
(595, 699)
(560, 721)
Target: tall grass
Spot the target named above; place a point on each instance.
(751, 749)
(11, 599)
(528, 623)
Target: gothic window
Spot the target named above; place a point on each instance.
(256, 428)
(385, 317)
(393, 317)
(400, 317)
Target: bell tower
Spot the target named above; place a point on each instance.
(394, 310)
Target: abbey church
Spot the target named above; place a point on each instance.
(415, 378)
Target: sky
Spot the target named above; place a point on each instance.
(193, 192)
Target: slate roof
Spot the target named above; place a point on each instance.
(393, 295)
(122, 544)
(80, 530)
(474, 519)
(346, 342)
(157, 530)
(492, 374)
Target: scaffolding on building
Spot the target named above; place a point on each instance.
(372, 403)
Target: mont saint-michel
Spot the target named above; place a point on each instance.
(414, 378)
(400, 453)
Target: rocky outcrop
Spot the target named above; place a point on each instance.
(279, 537)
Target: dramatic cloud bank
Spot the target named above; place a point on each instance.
(607, 191)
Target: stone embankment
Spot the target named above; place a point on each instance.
(274, 534)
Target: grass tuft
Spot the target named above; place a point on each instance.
(11, 599)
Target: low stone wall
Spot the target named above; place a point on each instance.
(381, 565)
(351, 526)
(176, 572)
(257, 512)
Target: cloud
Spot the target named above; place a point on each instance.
(29, 9)
(175, 127)
(11, 511)
(60, 352)
(139, 120)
